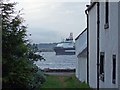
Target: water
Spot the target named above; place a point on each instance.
(57, 62)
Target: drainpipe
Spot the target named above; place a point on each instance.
(98, 21)
(86, 12)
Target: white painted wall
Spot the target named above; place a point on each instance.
(82, 61)
(109, 43)
(77, 69)
(118, 45)
(81, 43)
(81, 53)
(93, 47)
(102, 36)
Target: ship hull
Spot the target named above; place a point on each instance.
(64, 51)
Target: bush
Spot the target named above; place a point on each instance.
(18, 70)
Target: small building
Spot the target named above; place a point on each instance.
(81, 53)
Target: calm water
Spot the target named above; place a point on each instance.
(57, 62)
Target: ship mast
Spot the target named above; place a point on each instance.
(71, 36)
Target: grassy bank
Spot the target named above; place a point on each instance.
(63, 82)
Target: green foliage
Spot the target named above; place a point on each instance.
(35, 48)
(18, 69)
(53, 82)
(34, 57)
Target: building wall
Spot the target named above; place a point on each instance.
(108, 43)
(81, 53)
(77, 69)
(102, 34)
(82, 64)
(119, 44)
(81, 42)
(93, 47)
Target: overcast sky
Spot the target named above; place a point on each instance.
(52, 21)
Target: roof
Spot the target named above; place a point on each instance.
(80, 34)
(83, 52)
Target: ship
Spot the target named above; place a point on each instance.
(66, 47)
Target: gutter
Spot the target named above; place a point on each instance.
(87, 46)
(98, 27)
(80, 34)
(90, 6)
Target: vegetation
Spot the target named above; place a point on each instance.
(63, 82)
(18, 69)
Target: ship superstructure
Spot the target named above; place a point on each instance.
(66, 47)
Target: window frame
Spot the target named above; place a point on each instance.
(106, 25)
(102, 64)
(114, 69)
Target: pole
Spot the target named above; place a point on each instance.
(98, 21)
(86, 12)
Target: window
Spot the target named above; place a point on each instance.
(102, 66)
(114, 70)
(106, 15)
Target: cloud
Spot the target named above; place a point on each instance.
(42, 35)
(58, 19)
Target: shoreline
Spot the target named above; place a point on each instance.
(58, 70)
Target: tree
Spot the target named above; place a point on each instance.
(18, 70)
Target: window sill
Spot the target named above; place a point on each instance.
(113, 81)
(106, 26)
(101, 77)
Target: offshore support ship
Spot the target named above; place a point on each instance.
(66, 47)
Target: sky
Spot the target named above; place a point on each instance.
(50, 21)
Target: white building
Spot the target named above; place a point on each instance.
(81, 52)
(104, 44)
(103, 32)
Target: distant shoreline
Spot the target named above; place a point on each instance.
(58, 70)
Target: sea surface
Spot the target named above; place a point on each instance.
(53, 61)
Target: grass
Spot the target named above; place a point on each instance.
(63, 82)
